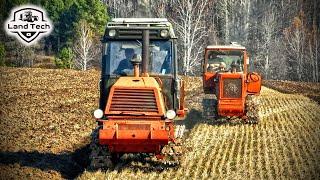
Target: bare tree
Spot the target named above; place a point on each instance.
(313, 53)
(190, 24)
(232, 17)
(159, 8)
(129, 8)
(295, 38)
(268, 29)
(84, 48)
(24, 56)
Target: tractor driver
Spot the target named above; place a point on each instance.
(235, 66)
(215, 63)
(125, 64)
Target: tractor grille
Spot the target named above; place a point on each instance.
(231, 88)
(134, 100)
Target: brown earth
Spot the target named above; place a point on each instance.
(46, 121)
(309, 89)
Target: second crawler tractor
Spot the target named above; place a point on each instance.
(225, 74)
(141, 95)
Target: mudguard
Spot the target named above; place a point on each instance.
(254, 83)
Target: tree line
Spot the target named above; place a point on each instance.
(74, 42)
(282, 36)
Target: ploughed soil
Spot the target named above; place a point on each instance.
(46, 122)
(309, 89)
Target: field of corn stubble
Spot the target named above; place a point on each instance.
(46, 121)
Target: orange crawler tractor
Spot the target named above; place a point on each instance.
(225, 74)
(141, 94)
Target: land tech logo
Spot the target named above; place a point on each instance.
(28, 23)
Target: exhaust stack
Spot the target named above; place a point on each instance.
(145, 52)
(136, 61)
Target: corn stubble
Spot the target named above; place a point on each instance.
(50, 111)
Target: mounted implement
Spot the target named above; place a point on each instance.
(141, 94)
(225, 74)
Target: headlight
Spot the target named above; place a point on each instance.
(164, 33)
(112, 33)
(171, 114)
(98, 113)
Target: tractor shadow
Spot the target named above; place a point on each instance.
(69, 165)
(72, 164)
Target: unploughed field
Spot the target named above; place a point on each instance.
(46, 121)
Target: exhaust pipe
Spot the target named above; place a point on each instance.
(145, 52)
(136, 61)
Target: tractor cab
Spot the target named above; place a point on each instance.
(222, 59)
(119, 54)
(123, 40)
(225, 61)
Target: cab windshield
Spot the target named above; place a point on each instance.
(117, 56)
(224, 61)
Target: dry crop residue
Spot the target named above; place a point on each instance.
(46, 120)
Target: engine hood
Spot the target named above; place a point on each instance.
(136, 97)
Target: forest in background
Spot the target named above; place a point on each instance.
(282, 36)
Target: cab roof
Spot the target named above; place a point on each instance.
(226, 47)
(139, 20)
(155, 25)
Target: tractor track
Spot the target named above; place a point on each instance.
(101, 158)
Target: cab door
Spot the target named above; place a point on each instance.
(207, 77)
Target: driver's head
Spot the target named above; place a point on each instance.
(222, 65)
(212, 56)
(129, 52)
